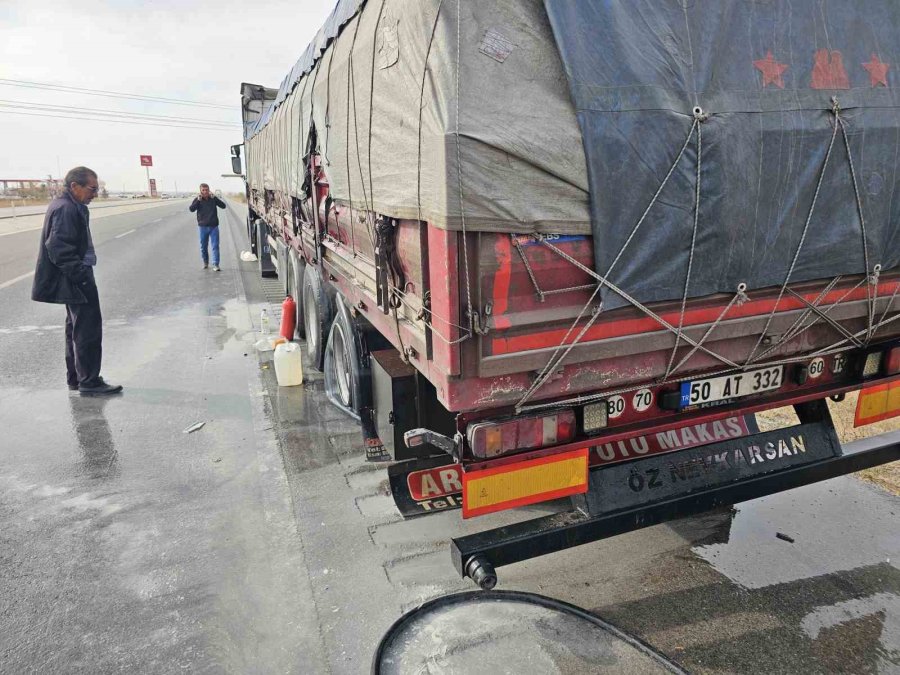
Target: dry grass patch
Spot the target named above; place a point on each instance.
(886, 476)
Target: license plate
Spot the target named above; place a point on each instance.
(710, 390)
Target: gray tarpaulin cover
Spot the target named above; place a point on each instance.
(765, 71)
(380, 85)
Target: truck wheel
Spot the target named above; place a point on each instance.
(281, 252)
(316, 315)
(346, 373)
(295, 279)
(344, 359)
(251, 235)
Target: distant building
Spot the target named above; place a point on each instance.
(30, 188)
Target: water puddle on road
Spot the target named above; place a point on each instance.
(837, 525)
(823, 560)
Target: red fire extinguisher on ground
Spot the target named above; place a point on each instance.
(288, 318)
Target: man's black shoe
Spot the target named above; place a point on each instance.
(73, 387)
(100, 389)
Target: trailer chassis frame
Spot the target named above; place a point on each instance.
(478, 555)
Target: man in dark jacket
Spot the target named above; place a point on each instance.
(205, 205)
(64, 274)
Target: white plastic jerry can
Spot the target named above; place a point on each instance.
(288, 364)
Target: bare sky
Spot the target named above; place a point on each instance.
(183, 49)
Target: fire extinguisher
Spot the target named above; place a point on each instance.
(288, 318)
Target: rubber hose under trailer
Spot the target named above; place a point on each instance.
(317, 315)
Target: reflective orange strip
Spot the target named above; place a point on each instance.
(530, 482)
(878, 403)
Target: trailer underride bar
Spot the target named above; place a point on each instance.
(478, 555)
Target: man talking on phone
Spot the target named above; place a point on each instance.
(205, 204)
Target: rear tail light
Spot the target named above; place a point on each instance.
(490, 439)
(892, 361)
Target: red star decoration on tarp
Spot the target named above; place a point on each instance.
(771, 70)
(877, 71)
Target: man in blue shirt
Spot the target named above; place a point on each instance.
(205, 205)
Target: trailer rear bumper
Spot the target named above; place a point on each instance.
(620, 498)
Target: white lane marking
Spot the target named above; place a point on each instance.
(7, 284)
(155, 221)
(125, 234)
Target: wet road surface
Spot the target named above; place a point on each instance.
(715, 594)
(125, 544)
(266, 543)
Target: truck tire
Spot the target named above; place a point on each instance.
(295, 278)
(281, 255)
(317, 316)
(262, 247)
(342, 379)
(347, 374)
(251, 233)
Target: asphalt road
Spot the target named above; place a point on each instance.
(714, 594)
(264, 542)
(127, 545)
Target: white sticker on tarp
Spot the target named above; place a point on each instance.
(389, 44)
(496, 45)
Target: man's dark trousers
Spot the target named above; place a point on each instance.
(84, 339)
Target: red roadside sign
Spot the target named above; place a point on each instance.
(152, 187)
(146, 160)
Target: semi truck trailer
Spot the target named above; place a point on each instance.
(549, 250)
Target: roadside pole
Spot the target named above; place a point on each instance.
(147, 161)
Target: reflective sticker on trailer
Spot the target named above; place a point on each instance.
(642, 400)
(615, 406)
(529, 482)
(878, 403)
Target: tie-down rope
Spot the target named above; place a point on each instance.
(556, 358)
(794, 331)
